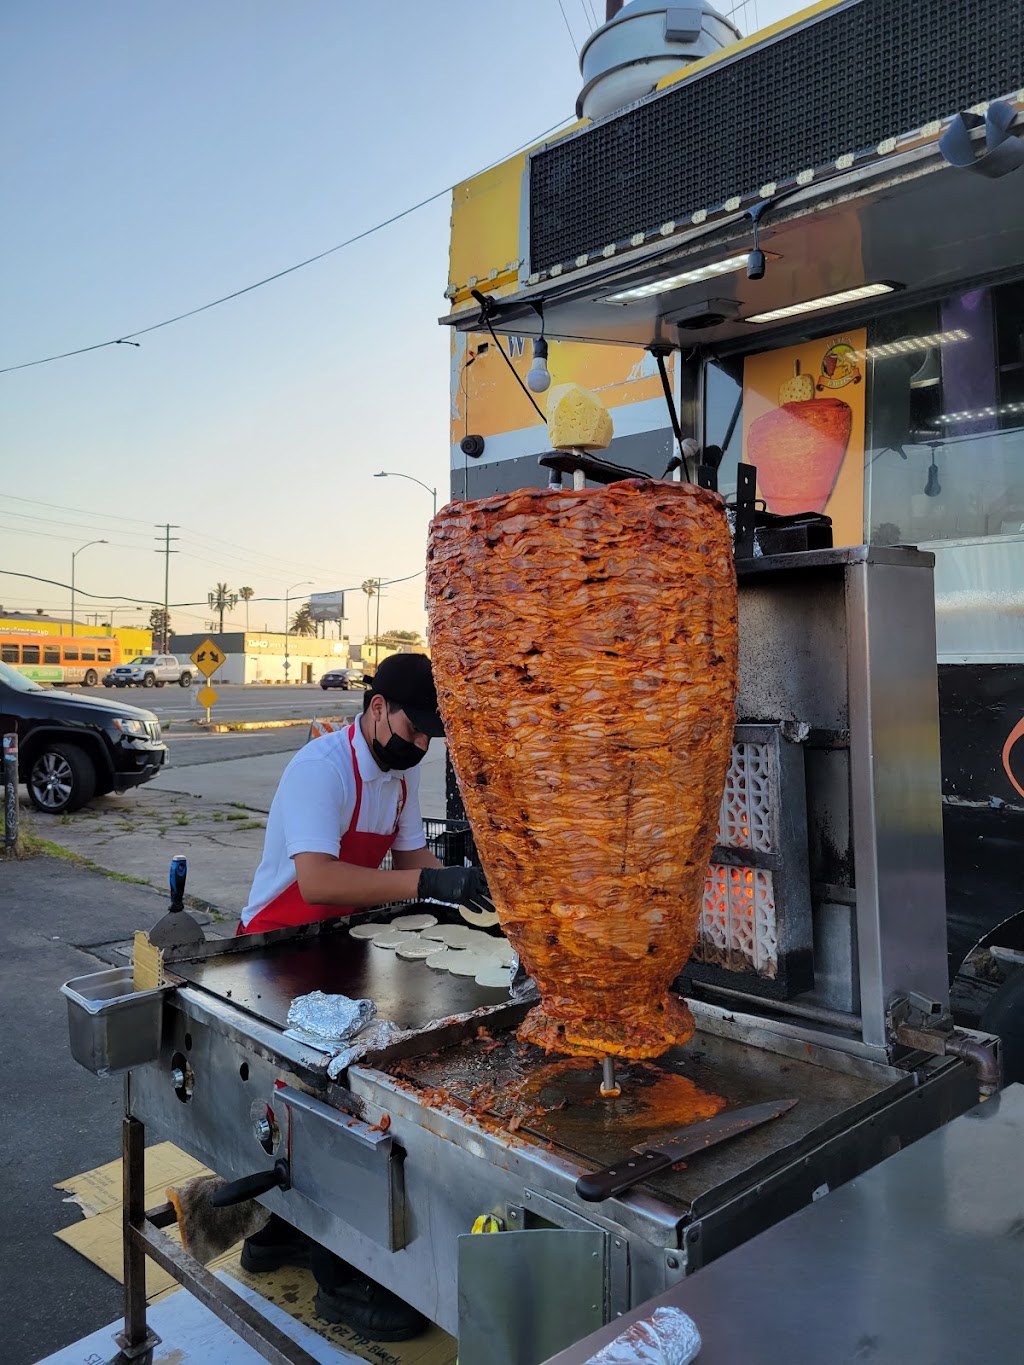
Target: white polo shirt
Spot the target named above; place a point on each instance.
(313, 806)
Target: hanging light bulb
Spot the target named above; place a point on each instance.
(538, 379)
(933, 488)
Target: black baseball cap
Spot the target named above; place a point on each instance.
(407, 680)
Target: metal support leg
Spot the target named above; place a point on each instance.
(136, 1341)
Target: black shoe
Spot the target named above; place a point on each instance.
(369, 1308)
(273, 1246)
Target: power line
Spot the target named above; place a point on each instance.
(126, 338)
(572, 38)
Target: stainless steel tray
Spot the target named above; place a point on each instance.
(112, 1027)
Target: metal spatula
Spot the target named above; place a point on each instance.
(177, 929)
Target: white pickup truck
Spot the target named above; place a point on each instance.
(150, 670)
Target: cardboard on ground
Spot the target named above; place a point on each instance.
(207, 658)
(97, 1237)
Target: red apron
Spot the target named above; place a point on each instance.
(357, 846)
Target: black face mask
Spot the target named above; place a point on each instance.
(398, 754)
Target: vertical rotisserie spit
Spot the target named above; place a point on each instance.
(584, 649)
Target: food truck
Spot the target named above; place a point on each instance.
(814, 232)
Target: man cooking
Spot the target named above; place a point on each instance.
(344, 802)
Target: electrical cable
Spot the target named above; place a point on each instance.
(111, 597)
(126, 338)
(666, 385)
(568, 30)
(486, 303)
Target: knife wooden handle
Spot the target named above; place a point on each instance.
(615, 1179)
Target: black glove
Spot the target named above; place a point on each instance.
(455, 885)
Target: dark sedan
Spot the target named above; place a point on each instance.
(345, 678)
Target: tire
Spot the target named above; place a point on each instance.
(91, 678)
(161, 684)
(185, 680)
(108, 684)
(323, 687)
(61, 778)
(149, 680)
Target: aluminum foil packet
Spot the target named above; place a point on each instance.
(668, 1337)
(380, 1034)
(328, 1019)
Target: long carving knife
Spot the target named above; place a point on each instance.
(645, 1161)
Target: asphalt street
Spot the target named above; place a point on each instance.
(56, 919)
(241, 703)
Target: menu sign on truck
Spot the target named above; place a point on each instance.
(803, 428)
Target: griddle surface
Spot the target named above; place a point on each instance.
(503, 1081)
(266, 980)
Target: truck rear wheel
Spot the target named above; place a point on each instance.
(61, 778)
(185, 680)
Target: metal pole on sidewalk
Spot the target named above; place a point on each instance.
(11, 793)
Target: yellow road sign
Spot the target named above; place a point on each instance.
(207, 658)
(206, 696)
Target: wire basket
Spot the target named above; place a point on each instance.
(450, 841)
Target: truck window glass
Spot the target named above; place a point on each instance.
(723, 417)
(945, 457)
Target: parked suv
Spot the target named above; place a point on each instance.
(72, 747)
(151, 670)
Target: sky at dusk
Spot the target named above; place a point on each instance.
(155, 157)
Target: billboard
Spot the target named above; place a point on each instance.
(327, 606)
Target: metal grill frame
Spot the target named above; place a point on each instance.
(783, 858)
(878, 86)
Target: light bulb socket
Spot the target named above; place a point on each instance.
(538, 379)
(756, 264)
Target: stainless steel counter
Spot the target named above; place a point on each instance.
(920, 1261)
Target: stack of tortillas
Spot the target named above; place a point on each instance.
(451, 948)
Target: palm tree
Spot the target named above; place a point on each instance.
(222, 599)
(370, 586)
(246, 594)
(302, 622)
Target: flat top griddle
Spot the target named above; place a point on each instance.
(503, 1081)
(265, 980)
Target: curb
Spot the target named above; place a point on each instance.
(225, 727)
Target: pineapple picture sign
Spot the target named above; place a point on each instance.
(803, 428)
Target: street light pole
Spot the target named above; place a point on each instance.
(306, 582)
(394, 474)
(74, 555)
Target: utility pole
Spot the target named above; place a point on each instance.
(376, 643)
(166, 551)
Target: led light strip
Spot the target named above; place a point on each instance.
(910, 344)
(695, 276)
(980, 413)
(793, 310)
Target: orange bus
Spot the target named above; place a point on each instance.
(60, 659)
